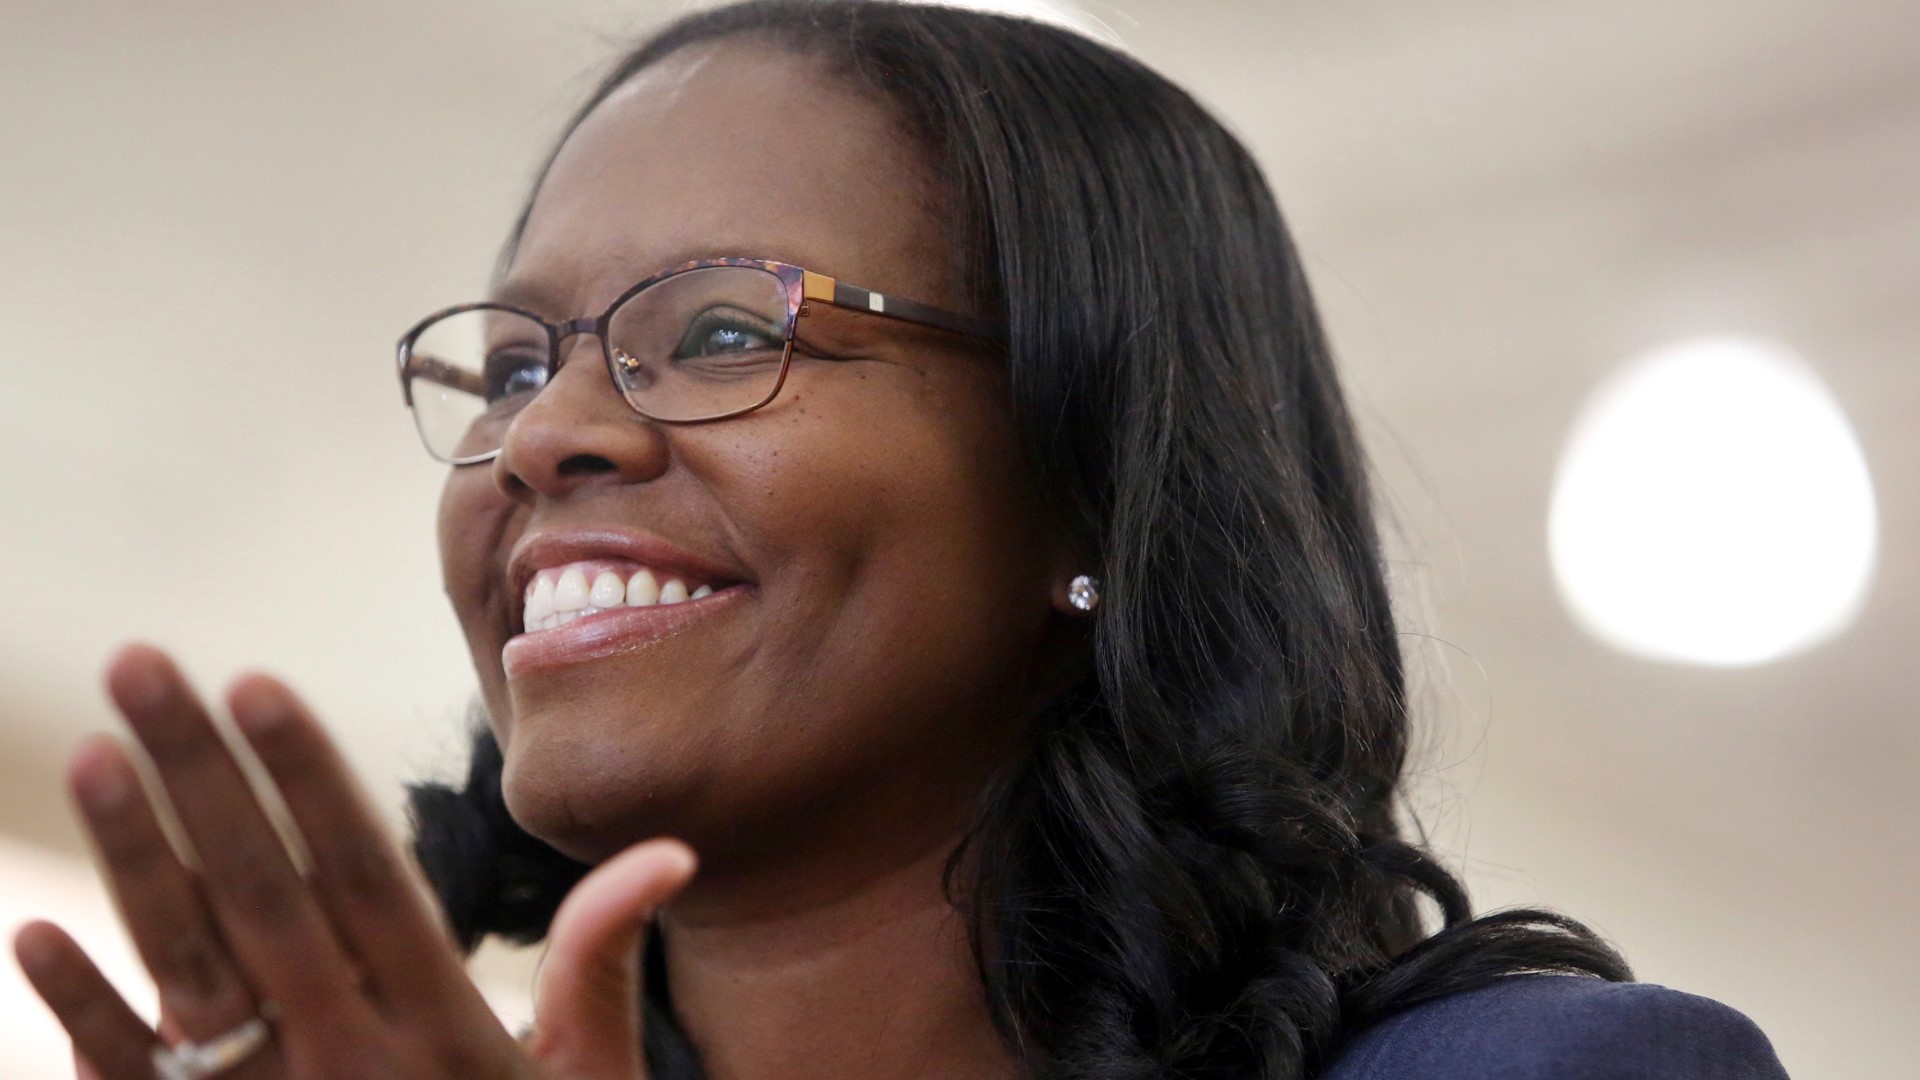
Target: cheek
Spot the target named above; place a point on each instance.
(474, 524)
(908, 563)
(872, 471)
(462, 559)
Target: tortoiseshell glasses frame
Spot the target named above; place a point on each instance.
(494, 410)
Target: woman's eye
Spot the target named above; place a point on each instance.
(716, 333)
(513, 374)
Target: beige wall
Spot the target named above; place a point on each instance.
(215, 217)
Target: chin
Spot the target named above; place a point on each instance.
(587, 810)
(590, 781)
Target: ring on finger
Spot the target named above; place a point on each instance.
(189, 1060)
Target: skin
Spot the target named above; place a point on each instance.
(878, 504)
(821, 743)
(820, 748)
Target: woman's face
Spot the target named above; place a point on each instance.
(897, 594)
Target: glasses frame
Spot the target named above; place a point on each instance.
(802, 286)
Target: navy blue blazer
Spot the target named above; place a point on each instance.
(1563, 1027)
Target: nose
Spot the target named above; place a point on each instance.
(577, 432)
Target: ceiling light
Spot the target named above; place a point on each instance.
(1712, 506)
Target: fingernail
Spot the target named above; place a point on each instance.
(34, 946)
(682, 855)
(257, 706)
(138, 680)
(101, 778)
(109, 791)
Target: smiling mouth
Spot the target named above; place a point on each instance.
(560, 595)
(587, 610)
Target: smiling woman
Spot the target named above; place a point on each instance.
(1006, 632)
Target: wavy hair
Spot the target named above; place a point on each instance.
(1196, 870)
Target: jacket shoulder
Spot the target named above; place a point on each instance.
(1567, 1027)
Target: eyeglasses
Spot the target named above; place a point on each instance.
(705, 340)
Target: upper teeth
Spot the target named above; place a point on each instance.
(557, 596)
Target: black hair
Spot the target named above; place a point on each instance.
(1196, 871)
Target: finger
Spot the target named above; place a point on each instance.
(278, 934)
(378, 905)
(587, 1008)
(201, 989)
(106, 1032)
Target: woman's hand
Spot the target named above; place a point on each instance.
(349, 961)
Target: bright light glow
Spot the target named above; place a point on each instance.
(1713, 507)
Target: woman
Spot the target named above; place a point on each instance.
(899, 461)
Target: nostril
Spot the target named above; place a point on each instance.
(586, 465)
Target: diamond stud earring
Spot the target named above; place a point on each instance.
(1083, 592)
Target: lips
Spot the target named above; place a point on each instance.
(593, 592)
(559, 595)
(613, 632)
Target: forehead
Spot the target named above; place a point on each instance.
(734, 148)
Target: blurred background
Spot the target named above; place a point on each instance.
(1625, 294)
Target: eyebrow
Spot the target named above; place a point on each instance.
(521, 294)
(528, 293)
(828, 289)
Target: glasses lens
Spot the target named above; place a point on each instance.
(701, 344)
(469, 374)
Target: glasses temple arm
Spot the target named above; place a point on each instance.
(840, 294)
(438, 371)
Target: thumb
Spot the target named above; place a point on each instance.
(587, 1005)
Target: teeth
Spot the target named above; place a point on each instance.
(643, 590)
(608, 590)
(540, 600)
(557, 597)
(571, 593)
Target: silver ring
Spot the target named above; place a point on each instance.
(199, 1060)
